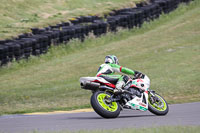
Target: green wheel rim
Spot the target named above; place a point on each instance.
(161, 105)
(112, 107)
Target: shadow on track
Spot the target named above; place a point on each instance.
(135, 116)
(120, 117)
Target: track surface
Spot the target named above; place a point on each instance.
(179, 114)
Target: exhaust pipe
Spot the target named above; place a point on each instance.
(89, 85)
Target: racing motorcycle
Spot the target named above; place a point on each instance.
(136, 95)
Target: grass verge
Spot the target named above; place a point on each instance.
(163, 129)
(167, 50)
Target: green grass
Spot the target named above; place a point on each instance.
(19, 16)
(163, 129)
(169, 129)
(167, 50)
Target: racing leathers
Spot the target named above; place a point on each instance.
(107, 71)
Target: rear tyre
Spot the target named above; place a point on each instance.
(101, 107)
(157, 105)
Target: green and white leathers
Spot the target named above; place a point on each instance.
(109, 70)
(110, 67)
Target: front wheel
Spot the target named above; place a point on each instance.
(101, 107)
(157, 104)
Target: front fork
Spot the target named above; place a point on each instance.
(153, 97)
(151, 92)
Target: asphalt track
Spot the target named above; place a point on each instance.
(179, 114)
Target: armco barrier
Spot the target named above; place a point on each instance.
(39, 40)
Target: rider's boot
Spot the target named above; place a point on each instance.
(118, 88)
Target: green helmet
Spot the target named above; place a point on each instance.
(111, 59)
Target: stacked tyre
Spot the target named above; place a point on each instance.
(39, 40)
(3, 54)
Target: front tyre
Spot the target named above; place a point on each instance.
(101, 107)
(157, 104)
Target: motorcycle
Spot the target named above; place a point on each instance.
(136, 95)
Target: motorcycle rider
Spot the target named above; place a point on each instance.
(108, 69)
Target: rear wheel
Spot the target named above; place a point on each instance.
(157, 104)
(103, 108)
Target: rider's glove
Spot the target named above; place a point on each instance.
(138, 75)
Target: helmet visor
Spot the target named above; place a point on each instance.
(108, 60)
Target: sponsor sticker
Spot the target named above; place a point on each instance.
(142, 104)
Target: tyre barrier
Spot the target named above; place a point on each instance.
(40, 40)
